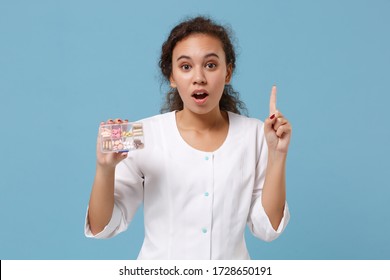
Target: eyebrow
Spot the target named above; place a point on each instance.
(206, 56)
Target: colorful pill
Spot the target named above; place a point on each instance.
(137, 125)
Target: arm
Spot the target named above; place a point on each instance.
(274, 189)
(101, 201)
(277, 132)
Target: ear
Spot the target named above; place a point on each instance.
(229, 72)
(172, 82)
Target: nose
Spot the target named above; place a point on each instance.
(199, 77)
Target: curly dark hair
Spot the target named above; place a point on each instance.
(230, 100)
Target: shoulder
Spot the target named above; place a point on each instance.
(156, 132)
(157, 121)
(158, 126)
(244, 122)
(157, 118)
(249, 131)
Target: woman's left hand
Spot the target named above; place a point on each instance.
(277, 128)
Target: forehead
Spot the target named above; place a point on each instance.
(198, 45)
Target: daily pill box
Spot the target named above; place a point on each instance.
(121, 137)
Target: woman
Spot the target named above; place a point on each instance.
(205, 171)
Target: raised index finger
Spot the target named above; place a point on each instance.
(272, 101)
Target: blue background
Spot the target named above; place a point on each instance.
(67, 65)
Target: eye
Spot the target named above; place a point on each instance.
(185, 67)
(211, 65)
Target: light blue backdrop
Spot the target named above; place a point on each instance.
(67, 65)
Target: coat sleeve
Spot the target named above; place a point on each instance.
(258, 221)
(128, 196)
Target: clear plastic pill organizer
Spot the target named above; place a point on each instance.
(122, 137)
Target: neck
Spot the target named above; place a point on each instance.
(201, 122)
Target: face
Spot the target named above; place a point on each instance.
(199, 72)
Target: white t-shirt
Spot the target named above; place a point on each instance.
(196, 204)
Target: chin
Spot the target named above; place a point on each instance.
(202, 110)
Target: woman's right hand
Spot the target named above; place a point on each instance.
(108, 160)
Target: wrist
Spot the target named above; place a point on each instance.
(276, 156)
(105, 168)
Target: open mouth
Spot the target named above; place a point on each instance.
(200, 95)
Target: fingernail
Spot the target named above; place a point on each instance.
(272, 117)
